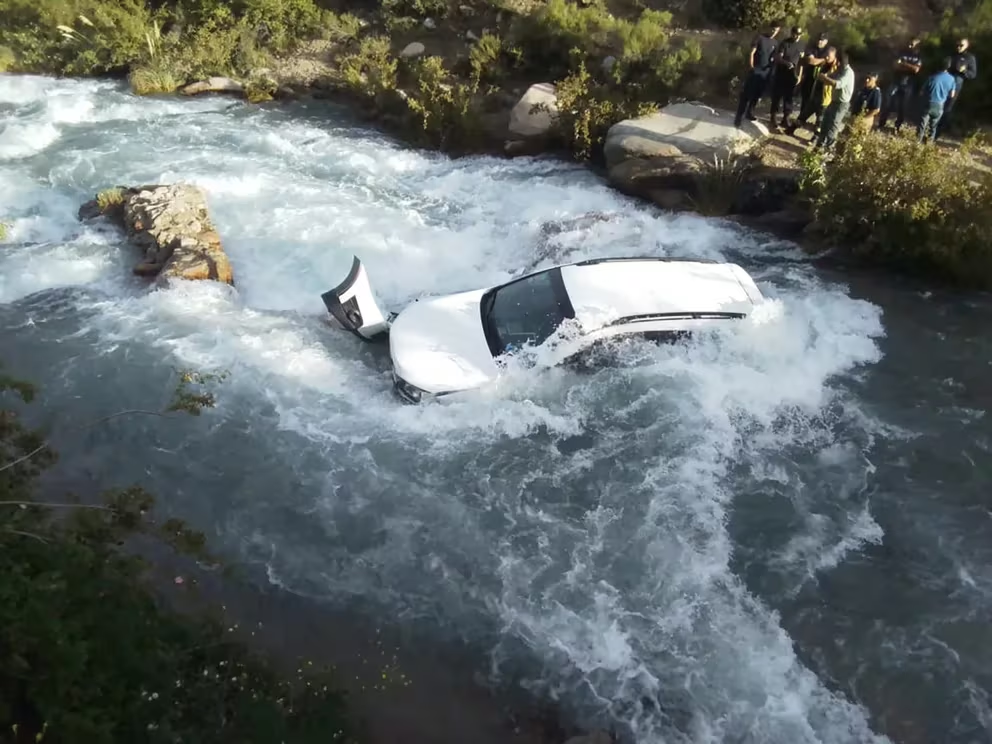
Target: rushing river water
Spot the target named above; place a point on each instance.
(782, 535)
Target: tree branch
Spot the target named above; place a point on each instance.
(33, 536)
(90, 425)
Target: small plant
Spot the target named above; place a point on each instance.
(110, 198)
(484, 58)
(260, 88)
(718, 186)
(151, 81)
(4, 227)
(371, 69)
(442, 106)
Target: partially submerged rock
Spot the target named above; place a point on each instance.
(213, 85)
(528, 121)
(171, 224)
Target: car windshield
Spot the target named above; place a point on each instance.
(525, 311)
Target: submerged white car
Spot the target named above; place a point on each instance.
(452, 343)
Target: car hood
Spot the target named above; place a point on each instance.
(438, 344)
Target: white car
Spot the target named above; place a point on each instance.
(452, 343)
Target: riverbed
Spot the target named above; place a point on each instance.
(781, 534)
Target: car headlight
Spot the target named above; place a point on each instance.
(409, 393)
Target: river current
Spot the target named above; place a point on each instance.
(779, 535)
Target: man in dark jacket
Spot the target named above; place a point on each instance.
(813, 57)
(760, 64)
(963, 67)
(903, 89)
(786, 76)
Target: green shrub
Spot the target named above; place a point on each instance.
(485, 59)
(151, 81)
(370, 70)
(861, 31)
(418, 9)
(754, 14)
(890, 200)
(8, 59)
(442, 107)
(87, 654)
(587, 109)
(4, 227)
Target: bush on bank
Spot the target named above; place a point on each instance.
(86, 652)
(888, 200)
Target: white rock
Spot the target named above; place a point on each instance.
(413, 49)
(690, 128)
(471, 36)
(213, 85)
(609, 63)
(429, 23)
(524, 122)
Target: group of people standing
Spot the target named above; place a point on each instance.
(822, 76)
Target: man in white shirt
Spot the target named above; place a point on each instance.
(840, 103)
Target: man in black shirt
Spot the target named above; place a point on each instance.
(786, 75)
(760, 63)
(963, 67)
(903, 89)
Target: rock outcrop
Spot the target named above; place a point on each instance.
(170, 223)
(691, 129)
(688, 153)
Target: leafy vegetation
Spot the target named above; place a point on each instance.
(161, 44)
(889, 200)
(86, 652)
(4, 227)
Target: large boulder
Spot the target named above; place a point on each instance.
(171, 225)
(692, 129)
(525, 121)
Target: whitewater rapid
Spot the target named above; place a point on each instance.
(577, 529)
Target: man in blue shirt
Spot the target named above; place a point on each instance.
(937, 91)
(760, 63)
(903, 89)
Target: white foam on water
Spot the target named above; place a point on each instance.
(620, 584)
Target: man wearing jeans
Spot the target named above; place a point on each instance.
(903, 89)
(760, 62)
(963, 67)
(939, 89)
(842, 83)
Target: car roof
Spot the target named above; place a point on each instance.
(606, 291)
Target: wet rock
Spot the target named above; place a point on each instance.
(412, 50)
(213, 85)
(681, 128)
(470, 36)
(525, 121)
(645, 176)
(171, 224)
(608, 64)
